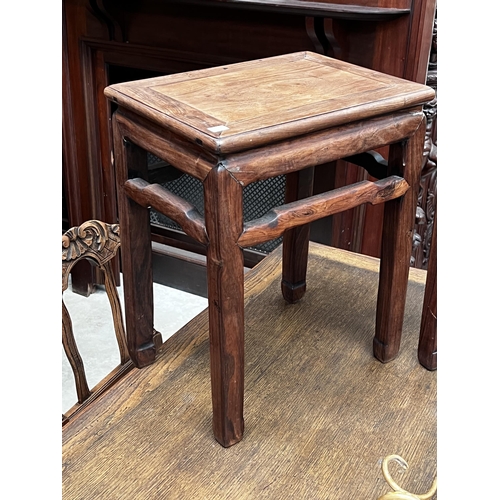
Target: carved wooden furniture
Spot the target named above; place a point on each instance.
(98, 243)
(234, 125)
(115, 41)
(321, 412)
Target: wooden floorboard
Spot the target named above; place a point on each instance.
(320, 411)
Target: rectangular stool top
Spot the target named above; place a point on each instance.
(239, 106)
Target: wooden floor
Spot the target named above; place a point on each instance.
(320, 411)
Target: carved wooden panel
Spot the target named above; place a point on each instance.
(428, 182)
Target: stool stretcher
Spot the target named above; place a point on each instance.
(169, 204)
(275, 222)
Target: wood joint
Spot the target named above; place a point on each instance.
(169, 204)
(374, 163)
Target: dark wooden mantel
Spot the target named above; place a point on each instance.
(371, 10)
(107, 41)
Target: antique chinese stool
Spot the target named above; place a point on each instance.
(233, 125)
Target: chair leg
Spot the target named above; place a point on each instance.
(296, 241)
(427, 344)
(405, 159)
(135, 235)
(225, 272)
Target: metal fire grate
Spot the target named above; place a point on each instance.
(258, 198)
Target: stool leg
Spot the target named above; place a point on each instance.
(224, 223)
(427, 344)
(405, 159)
(135, 236)
(296, 241)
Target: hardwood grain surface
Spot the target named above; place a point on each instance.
(319, 147)
(274, 223)
(230, 107)
(320, 411)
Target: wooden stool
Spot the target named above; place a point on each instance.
(237, 124)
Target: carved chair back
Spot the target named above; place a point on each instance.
(98, 243)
